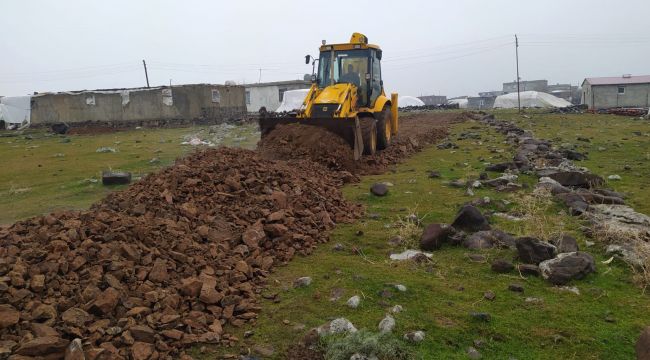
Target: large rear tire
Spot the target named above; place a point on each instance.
(369, 133)
(384, 130)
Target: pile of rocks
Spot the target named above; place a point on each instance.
(580, 190)
(165, 263)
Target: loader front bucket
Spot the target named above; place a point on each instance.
(347, 128)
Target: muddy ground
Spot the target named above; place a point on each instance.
(170, 261)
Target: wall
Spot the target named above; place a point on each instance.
(606, 96)
(433, 99)
(532, 85)
(189, 103)
(480, 102)
(268, 95)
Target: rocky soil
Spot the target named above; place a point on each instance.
(169, 262)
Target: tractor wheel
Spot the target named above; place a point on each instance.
(369, 133)
(384, 130)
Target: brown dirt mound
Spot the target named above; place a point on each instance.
(295, 141)
(165, 263)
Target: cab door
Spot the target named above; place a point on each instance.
(375, 76)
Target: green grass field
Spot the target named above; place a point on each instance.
(603, 322)
(43, 172)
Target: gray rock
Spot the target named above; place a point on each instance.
(502, 266)
(528, 269)
(489, 239)
(302, 282)
(470, 219)
(414, 336)
(516, 287)
(626, 253)
(577, 179)
(482, 316)
(379, 189)
(567, 266)
(534, 251)
(433, 236)
(353, 302)
(387, 324)
(473, 354)
(565, 243)
(336, 326)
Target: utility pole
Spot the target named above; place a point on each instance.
(259, 80)
(145, 72)
(517, 58)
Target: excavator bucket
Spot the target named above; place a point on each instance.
(347, 128)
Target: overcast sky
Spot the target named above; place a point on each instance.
(430, 47)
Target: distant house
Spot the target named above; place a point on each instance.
(269, 95)
(480, 102)
(529, 85)
(433, 99)
(622, 91)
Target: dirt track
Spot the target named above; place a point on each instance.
(166, 263)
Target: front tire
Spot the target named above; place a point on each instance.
(384, 130)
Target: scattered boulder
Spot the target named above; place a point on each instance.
(489, 295)
(534, 251)
(501, 167)
(565, 243)
(387, 324)
(528, 269)
(433, 236)
(567, 266)
(60, 128)
(516, 287)
(414, 336)
(473, 354)
(470, 219)
(577, 179)
(502, 266)
(302, 282)
(434, 174)
(489, 239)
(336, 326)
(379, 189)
(116, 177)
(353, 302)
(481, 316)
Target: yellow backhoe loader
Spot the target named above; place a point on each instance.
(346, 97)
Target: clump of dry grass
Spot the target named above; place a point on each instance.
(608, 232)
(538, 221)
(408, 229)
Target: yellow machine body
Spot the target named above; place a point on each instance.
(347, 97)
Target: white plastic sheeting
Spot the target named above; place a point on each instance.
(530, 99)
(15, 109)
(404, 101)
(292, 100)
(462, 103)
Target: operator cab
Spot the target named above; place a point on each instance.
(357, 64)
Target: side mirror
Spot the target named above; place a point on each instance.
(313, 78)
(307, 59)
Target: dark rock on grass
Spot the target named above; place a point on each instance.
(434, 174)
(60, 128)
(577, 179)
(574, 155)
(583, 139)
(379, 189)
(501, 167)
(489, 295)
(642, 346)
(596, 198)
(565, 244)
(567, 266)
(489, 239)
(528, 269)
(607, 192)
(433, 236)
(534, 251)
(516, 287)
(502, 266)
(481, 316)
(483, 176)
(576, 203)
(470, 219)
(447, 145)
(116, 178)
